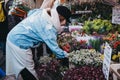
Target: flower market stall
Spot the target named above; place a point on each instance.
(85, 41)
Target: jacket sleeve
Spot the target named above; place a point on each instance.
(53, 45)
(49, 36)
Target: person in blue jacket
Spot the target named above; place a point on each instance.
(41, 25)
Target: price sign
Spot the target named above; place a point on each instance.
(116, 15)
(107, 60)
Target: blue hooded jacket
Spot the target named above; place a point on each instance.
(33, 30)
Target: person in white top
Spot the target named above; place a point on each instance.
(41, 26)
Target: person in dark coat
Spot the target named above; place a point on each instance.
(3, 29)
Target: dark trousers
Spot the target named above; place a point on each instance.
(26, 75)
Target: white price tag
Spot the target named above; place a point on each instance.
(116, 15)
(107, 60)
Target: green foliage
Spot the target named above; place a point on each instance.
(97, 25)
(96, 44)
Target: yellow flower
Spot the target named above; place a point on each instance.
(102, 56)
(92, 50)
(114, 56)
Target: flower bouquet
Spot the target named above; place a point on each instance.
(85, 57)
(87, 66)
(116, 51)
(84, 73)
(50, 69)
(97, 25)
(114, 40)
(68, 42)
(19, 9)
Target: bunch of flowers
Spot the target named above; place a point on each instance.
(116, 49)
(19, 9)
(85, 57)
(84, 73)
(97, 25)
(114, 40)
(68, 42)
(110, 36)
(116, 45)
(49, 69)
(64, 41)
(96, 43)
(89, 67)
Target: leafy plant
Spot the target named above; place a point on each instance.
(97, 25)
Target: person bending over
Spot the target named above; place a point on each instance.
(41, 25)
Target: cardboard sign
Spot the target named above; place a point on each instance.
(116, 15)
(107, 60)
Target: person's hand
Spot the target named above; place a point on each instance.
(66, 55)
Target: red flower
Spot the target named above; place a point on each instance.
(66, 47)
(116, 44)
(82, 41)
